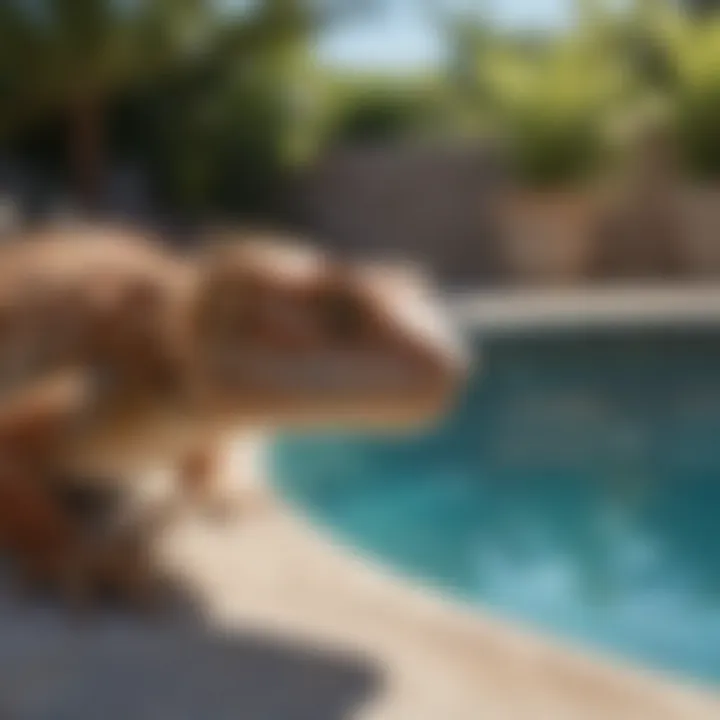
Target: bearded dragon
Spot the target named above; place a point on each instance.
(147, 358)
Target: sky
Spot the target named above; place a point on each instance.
(402, 37)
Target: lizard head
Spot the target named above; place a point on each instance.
(295, 339)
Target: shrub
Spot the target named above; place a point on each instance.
(693, 47)
(551, 104)
(374, 111)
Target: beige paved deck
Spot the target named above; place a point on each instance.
(437, 660)
(299, 629)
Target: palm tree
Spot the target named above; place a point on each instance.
(74, 57)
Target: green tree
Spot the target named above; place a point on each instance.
(70, 57)
(75, 57)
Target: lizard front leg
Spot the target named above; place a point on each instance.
(37, 534)
(59, 546)
(50, 541)
(35, 530)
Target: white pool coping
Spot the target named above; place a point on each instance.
(618, 306)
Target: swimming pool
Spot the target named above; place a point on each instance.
(576, 487)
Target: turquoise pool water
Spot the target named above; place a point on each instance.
(577, 487)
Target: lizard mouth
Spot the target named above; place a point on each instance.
(402, 364)
(339, 389)
(313, 377)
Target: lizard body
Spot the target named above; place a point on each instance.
(161, 358)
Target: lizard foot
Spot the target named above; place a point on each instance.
(71, 545)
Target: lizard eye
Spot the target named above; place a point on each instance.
(342, 316)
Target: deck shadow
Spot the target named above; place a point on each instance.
(178, 667)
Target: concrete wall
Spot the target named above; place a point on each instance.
(436, 205)
(449, 207)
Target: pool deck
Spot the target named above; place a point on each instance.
(436, 660)
(294, 619)
(285, 607)
(299, 628)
